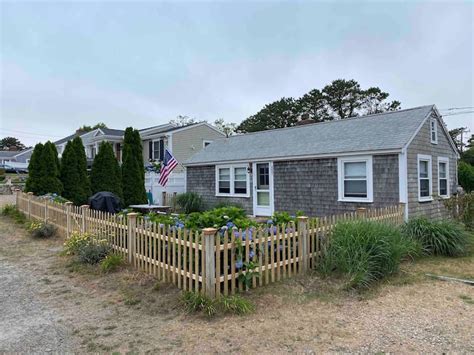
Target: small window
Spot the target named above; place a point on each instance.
(355, 179)
(156, 150)
(232, 180)
(443, 177)
(424, 178)
(206, 143)
(434, 131)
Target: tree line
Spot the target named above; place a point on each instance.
(68, 176)
(336, 101)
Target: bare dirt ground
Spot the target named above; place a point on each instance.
(49, 303)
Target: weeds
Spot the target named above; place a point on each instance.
(41, 230)
(112, 262)
(13, 212)
(195, 302)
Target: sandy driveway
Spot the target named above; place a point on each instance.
(47, 303)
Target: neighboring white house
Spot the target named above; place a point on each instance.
(182, 142)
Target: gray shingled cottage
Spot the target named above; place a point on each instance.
(326, 168)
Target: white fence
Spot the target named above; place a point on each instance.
(176, 184)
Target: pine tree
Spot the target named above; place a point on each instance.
(34, 170)
(133, 170)
(49, 170)
(106, 174)
(84, 184)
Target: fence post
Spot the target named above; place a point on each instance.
(84, 209)
(303, 236)
(68, 218)
(45, 210)
(17, 198)
(209, 284)
(361, 212)
(132, 225)
(30, 195)
(163, 198)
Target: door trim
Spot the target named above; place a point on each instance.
(254, 187)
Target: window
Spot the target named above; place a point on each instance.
(355, 179)
(434, 131)
(206, 143)
(232, 180)
(424, 178)
(443, 177)
(156, 150)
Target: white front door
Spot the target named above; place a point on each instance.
(262, 189)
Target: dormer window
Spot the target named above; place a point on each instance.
(434, 131)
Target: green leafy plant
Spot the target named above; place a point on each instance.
(93, 252)
(112, 262)
(190, 202)
(41, 230)
(446, 238)
(462, 208)
(366, 251)
(76, 241)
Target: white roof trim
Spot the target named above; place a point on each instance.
(299, 157)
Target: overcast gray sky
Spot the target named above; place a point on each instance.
(66, 64)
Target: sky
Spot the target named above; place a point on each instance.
(142, 63)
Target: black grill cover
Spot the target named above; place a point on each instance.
(105, 201)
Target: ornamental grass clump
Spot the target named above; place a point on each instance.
(197, 303)
(366, 251)
(446, 238)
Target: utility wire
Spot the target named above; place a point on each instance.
(29, 133)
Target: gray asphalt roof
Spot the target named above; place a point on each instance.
(9, 153)
(66, 139)
(113, 132)
(390, 130)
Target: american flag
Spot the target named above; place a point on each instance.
(169, 163)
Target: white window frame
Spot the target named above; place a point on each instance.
(446, 161)
(232, 167)
(422, 157)
(204, 143)
(435, 131)
(153, 141)
(367, 159)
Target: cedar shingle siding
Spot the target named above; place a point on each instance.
(312, 186)
(421, 144)
(306, 185)
(202, 180)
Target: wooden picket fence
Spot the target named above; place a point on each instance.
(210, 261)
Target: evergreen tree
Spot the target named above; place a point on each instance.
(81, 160)
(49, 170)
(34, 170)
(106, 174)
(70, 173)
(133, 170)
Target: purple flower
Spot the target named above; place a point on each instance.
(239, 264)
(230, 225)
(269, 221)
(244, 235)
(251, 254)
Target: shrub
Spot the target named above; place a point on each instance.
(366, 251)
(41, 229)
(195, 302)
(190, 202)
(75, 242)
(13, 212)
(446, 238)
(466, 176)
(111, 263)
(105, 173)
(133, 170)
(93, 252)
(462, 208)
